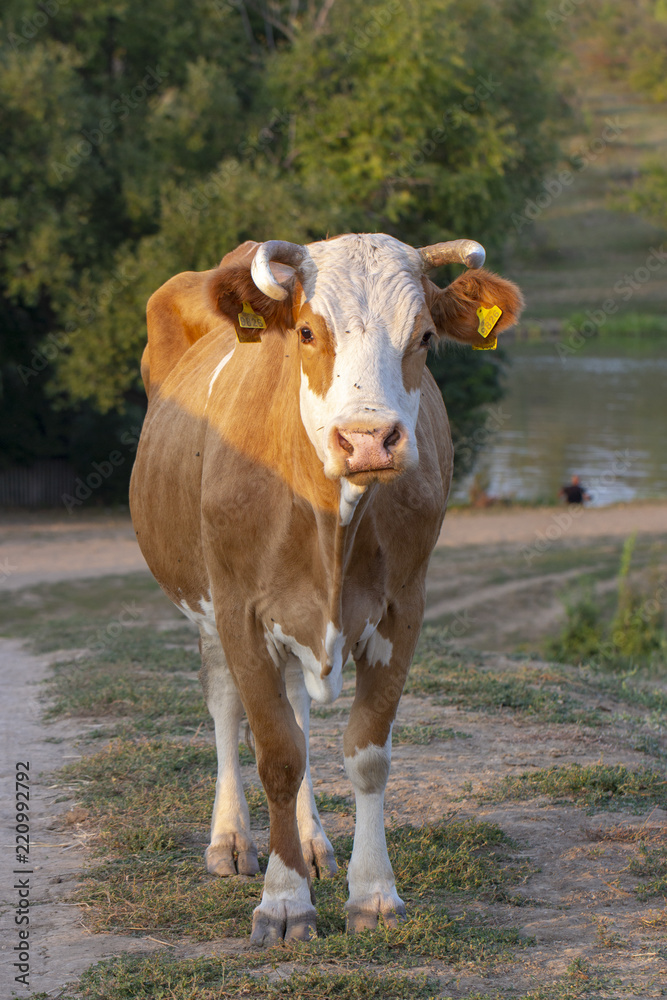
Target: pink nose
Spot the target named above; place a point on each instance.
(367, 450)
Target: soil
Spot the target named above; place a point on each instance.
(578, 900)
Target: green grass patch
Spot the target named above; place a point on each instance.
(159, 976)
(326, 802)
(650, 864)
(598, 786)
(530, 691)
(152, 799)
(423, 735)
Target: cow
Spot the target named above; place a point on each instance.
(289, 486)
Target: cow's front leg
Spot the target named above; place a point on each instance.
(317, 850)
(286, 910)
(231, 848)
(381, 673)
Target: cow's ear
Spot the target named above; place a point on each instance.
(231, 285)
(456, 309)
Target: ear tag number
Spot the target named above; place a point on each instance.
(487, 320)
(249, 325)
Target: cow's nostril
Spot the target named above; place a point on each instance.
(345, 444)
(392, 438)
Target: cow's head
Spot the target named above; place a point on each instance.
(363, 316)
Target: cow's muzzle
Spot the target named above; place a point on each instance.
(358, 447)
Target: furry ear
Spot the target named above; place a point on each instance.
(231, 284)
(454, 309)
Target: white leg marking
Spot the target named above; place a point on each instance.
(204, 619)
(378, 650)
(230, 823)
(286, 910)
(370, 876)
(317, 850)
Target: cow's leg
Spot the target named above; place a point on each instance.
(381, 672)
(231, 844)
(317, 850)
(286, 909)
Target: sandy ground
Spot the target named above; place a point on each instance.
(43, 548)
(572, 887)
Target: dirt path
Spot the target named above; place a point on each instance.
(59, 945)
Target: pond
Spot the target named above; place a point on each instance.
(600, 413)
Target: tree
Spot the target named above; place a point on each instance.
(145, 140)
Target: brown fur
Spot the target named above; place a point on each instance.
(454, 308)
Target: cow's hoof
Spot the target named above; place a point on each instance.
(319, 857)
(364, 916)
(279, 924)
(232, 854)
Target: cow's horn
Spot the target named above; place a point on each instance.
(292, 254)
(466, 252)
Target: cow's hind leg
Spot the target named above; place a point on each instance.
(317, 850)
(231, 846)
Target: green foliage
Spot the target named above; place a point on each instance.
(144, 140)
(636, 634)
(582, 635)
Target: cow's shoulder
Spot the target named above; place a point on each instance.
(178, 314)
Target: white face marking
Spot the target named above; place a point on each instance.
(379, 650)
(218, 368)
(372, 327)
(204, 618)
(321, 689)
(369, 875)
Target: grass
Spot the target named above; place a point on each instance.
(597, 786)
(149, 801)
(423, 735)
(534, 692)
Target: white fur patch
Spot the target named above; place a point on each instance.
(321, 689)
(218, 368)
(379, 650)
(204, 618)
(350, 495)
(285, 885)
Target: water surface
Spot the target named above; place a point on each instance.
(600, 413)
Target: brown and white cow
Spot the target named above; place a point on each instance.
(287, 494)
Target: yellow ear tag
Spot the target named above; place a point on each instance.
(487, 320)
(249, 325)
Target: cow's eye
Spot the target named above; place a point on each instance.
(306, 335)
(427, 336)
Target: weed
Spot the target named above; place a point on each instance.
(326, 802)
(599, 786)
(651, 864)
(580, 639)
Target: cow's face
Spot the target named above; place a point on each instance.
(363, 337)
(362, 315)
